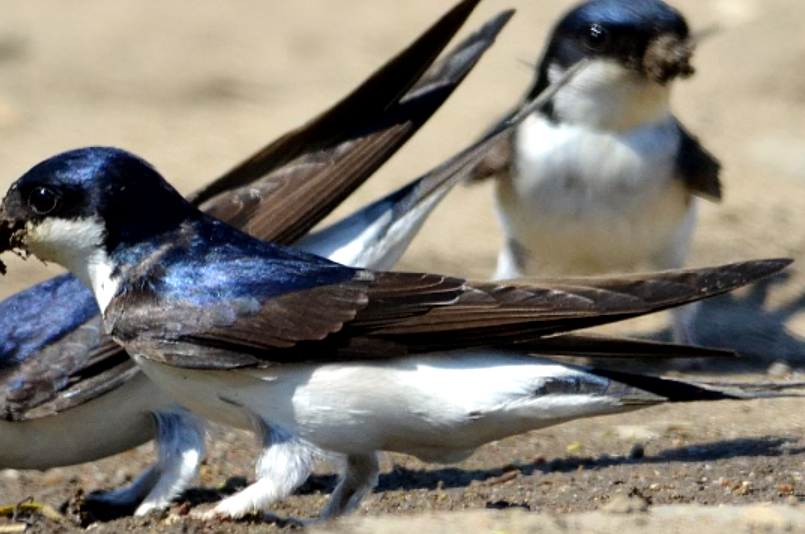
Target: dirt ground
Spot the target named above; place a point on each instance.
(196, 85)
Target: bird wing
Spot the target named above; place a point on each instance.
(82, 365)
(325, 160)
(39, 315)
(328, 158)
(697, 168)
(360, 315)
(599, 347)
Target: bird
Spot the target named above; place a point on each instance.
(605, 178)
(312, 355)
(69, 394)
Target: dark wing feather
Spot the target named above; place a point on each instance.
(327, 166)
(342, 146)
(697, 168)
(382, 89)
(381, 315)
(606, 348)
(39, 315)
(63, 372)
(232, 333)
(281, 324)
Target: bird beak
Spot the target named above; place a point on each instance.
(6, 236)
(668, 57)
(12, 234)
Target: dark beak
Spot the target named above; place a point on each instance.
(668, 57)
(7, 232)
(12, 232)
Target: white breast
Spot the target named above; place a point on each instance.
(584, 201)
(439, 407)
(77, 245)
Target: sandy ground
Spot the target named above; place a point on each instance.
(196, 85)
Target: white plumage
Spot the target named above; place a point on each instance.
(595, 188)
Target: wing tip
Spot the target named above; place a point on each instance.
(754, 270)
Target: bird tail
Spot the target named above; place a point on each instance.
(652, 389)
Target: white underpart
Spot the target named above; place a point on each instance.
(106, 425)
(180, 447)
(77, 245)
(596, 193)
(372, 237)
(352, 240)
(110, 424)
(606, 96)
(438, 407)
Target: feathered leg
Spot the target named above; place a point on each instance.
(358, 479)
(284, 464)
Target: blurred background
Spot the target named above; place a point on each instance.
(194, 86)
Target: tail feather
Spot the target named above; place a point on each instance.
(690, 391)
(607, 348)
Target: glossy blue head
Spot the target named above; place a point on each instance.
(646, 37)
(638, 18)
(109, 193)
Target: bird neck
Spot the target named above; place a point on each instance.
(606, 96)
(78, 246)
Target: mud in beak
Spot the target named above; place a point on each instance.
(668, 57)
(11, 238)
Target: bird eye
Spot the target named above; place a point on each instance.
(595, 37)
(43, 200)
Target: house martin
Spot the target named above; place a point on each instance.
(605, 179)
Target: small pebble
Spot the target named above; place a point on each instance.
(785, 488)
(120, 478)
(54, 477)
(502, 479)
(12, 475)
(513, 466)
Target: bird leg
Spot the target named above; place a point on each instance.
(284, 464)
(359, 477)
(180, 446)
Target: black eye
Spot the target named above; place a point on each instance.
(595, 37)
(43, 200)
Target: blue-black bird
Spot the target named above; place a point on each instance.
(605, 178)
